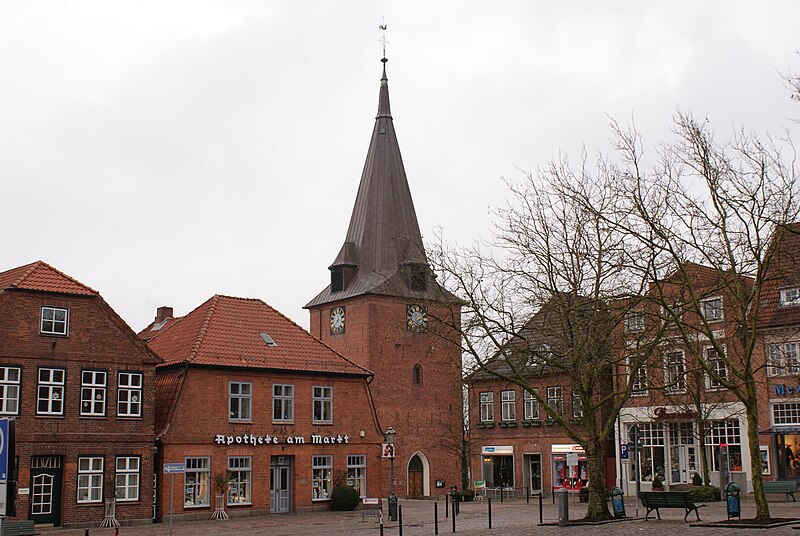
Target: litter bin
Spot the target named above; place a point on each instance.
(732, 501)
(617, 502)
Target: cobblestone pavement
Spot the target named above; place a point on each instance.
(510, 518)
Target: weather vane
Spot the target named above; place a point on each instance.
(382, 40)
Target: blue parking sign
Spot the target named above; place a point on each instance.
(4, 450)
(623, 451)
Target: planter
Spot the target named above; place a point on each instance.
(536, 424)
(526, 424)
(503, 425)
(512, 425)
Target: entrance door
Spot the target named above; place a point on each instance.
(280, 480)
(415, 474)
(683, 463)
(45, 493)
(535, 473)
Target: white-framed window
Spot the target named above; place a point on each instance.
(55, 321)
(651, 456)
(783, 358)
(90, 479)
(357, 473)
(634, 322)
(129, 394)
(712, 309)
(240, 401)
(487, 407)
(727, 432)
(240, 470)
(675, 372)
(9, 390)
(766, 467)
(555, 399)
(127, 478)
(639, 384)
(716, 363)
(283, 403)
(321, 477)
(786, 413)
(577, 405)
(196, 482)
(790, 296)
(93, 393)
(508, 405)
(323, 404)
(50, 391)
(530, 407)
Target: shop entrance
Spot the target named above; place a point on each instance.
(533, 476)
(45, 493)
(683, 463)
(280, 484)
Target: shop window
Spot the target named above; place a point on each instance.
(90, 479)
(651, 455)
(54, 321)
(531, 406)
(93, 393)
(724, 432)
(50, 391)
(240, 401)
(321, 477)
(571, 477)
(766, 468)
(197, 480)
(127, 478)
(9, 390)
(555, 400)
(498, 471)
(283, 403)
(487, 407)
(323, 404)
(786, 413)
(129, 394)
(240, 471)
(357, 474)
(508, 405)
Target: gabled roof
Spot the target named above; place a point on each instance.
(383, 238)
(783, 273)
(235, 332)
(154, 328)
(42, 277)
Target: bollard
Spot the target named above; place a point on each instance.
(541, 510)
(453, 517)
(380, 514)
(85, 532)
(501, 494)
(527, 495)
(563, 507)
(436, 517)
(490, 512)
(400, 519)
(446, 503)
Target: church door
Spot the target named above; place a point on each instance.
(415, 474)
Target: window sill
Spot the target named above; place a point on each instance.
(49, 416)
(93, 417)
(197, 507)
(321, 500)
(87, 503)
(322, 423)
(282, 423)
(130, 418)
(128, 501)
(240, 422)
(236, 505)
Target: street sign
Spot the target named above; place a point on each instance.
(370, 500)
(171, 468)
(572, 459)
(623, 452)
(387, 451)
(4, 444)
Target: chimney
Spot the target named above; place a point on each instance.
(163, 313)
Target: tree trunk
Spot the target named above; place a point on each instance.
(598, 498)
(762, 508)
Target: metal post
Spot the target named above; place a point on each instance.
(85, 532)
(490, 512)
(380, 516)
(392, 496)
(541, 510)
(400, 519)
(501, 494)
(446, 505)
(528, 494)
(171, 495)
(436, 517)
(453, 517)
(563, 507)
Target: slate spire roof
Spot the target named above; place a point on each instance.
(383, 245)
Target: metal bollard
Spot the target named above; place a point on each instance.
(541, 510)
(436, 517)
(501, 494)
(446, 503)
(490, 512)
(453, 517)
(563, 507)
(400, 518)
(85, 532)
(527, 495)
(381, 516)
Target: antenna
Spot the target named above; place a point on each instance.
(382, 27)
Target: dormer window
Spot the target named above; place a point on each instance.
(337, 279)
(417, 277)
(790, 296)
(54, 321)
(712, 309)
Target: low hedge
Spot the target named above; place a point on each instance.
(705, 494)
(344, 498)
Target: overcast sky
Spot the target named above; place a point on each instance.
(165, 151)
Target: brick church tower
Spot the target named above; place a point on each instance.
(384, 310)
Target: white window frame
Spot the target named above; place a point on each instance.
(93, 392)
(640, 386)
(508, 405)
(51, 324)
(634, 322)
(577, 405)
(790, 297)
(10, 379)
(322, 401)
(717, 364)
(90, 479)
(127, 478)
(530, 406)
(673, 371)
(282, 403)
(240, 401)
(487, 406)
(555, 399)
(240, 484)
(53, 389)
(783, 358)
(321, 477)
(197, 468)
(357, 473)
(785, 413)
(129, 394)
(719, 312)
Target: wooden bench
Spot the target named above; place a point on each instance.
(24, 527)
(653, 500)
(781, 486)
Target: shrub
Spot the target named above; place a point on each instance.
(697, 480)
(657, 482)
(466, 495)
(344, 498)
(705, 494)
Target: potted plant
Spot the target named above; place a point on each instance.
(658, 482)
(221, 483)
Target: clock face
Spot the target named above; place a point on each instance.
(416, 318)
(337, 320)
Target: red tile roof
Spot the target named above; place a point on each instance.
(783, 273)
(168, 387)
(41, 276)
(227, 332)
(154, 328)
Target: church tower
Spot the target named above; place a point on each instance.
(384, 310)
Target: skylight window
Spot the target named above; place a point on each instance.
(269, 340)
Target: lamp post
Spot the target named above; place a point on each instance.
(391, 436)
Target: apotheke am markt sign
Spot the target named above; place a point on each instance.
(250, 439)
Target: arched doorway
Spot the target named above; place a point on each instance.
(418, 471)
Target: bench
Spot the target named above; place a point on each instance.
(653, 500)
(781, 486)
(19, 528)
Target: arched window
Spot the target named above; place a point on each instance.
(417, 374)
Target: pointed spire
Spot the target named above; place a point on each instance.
(383, 98)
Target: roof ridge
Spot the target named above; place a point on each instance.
(41, 263)
(198, 342)
(25, 274)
